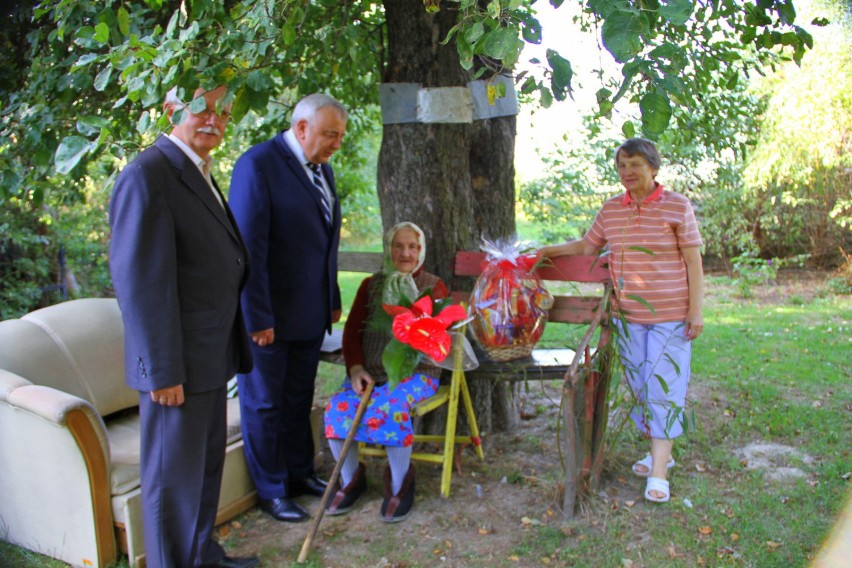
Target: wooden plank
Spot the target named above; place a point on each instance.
(574, 309)
(353, 261)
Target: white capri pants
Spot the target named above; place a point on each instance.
(656, 359)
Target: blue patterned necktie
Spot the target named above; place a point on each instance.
(316, 178)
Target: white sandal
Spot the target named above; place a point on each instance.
(660, 486)
(647, 462)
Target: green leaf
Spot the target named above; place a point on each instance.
(86, 59)
(562, 74)
(676, 12)
(102, 80)
(91, 125)
(258, 80)
(531, 30)
(288, 34)
(621, 34)
(474, 32)
(628, 129)
(502, 44)
(663, 384)
(494, 9)
(642, 249)
(101, 33)
(642, 301)
(399, 361)
(465, 51)
(656, 113)
(69, 153)
(123, 21)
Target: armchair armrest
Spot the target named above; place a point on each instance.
(55, 474)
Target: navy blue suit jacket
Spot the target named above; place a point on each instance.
(293, 284)
(178, 264)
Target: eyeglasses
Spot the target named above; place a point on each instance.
(207, 113)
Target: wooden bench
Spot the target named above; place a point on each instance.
(542, 364)
(585, 379)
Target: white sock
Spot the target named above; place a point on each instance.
(350, 463)
(399, 459)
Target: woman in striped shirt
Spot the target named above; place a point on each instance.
(655, 259)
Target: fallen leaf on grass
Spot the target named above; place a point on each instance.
(630, 503)
(705, 530)
(735, 537)
(700, 467)
(224, 530)
(483, 531)
(626, 562)
(772, 545)
(672, 552)
(514, 558)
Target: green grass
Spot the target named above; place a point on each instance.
(775, 370)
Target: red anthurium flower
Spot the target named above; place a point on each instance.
(422, 307)
(401, 327)
(429, 336)
(451, 314)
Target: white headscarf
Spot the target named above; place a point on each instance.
(399, 284)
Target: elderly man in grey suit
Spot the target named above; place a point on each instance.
(178, 264)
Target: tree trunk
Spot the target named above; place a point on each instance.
(456, 181)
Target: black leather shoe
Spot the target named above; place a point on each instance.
(311, 485)
(227, 562)
(283, 509)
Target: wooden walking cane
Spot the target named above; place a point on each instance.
(335, 474)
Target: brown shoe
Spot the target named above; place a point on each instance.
(397, 507)
(344, 499)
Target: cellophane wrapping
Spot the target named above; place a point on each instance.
(509, 301)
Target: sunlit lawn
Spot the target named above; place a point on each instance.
(776, 371)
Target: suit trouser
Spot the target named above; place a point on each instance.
(275, 407)
(182, 456)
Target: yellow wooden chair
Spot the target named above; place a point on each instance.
(449, 395)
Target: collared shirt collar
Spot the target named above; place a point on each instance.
(295, 147)
(196, 159)
(655, 195)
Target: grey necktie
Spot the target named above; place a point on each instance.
(316, 178)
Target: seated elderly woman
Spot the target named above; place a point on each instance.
(387, 421)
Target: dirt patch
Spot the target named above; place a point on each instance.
(497, 506)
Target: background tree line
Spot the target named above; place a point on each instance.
(764, 157)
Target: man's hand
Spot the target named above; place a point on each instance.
(263, 338)
(169, 396)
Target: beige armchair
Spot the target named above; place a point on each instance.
(69, 438)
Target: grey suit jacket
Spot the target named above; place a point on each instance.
(178, 264)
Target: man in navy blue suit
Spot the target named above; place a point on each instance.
(285, 203)
(178, 265)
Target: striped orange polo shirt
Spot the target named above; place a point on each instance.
(645, 258)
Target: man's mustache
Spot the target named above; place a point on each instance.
(210, 130)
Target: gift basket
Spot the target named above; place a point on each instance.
(509, 302)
